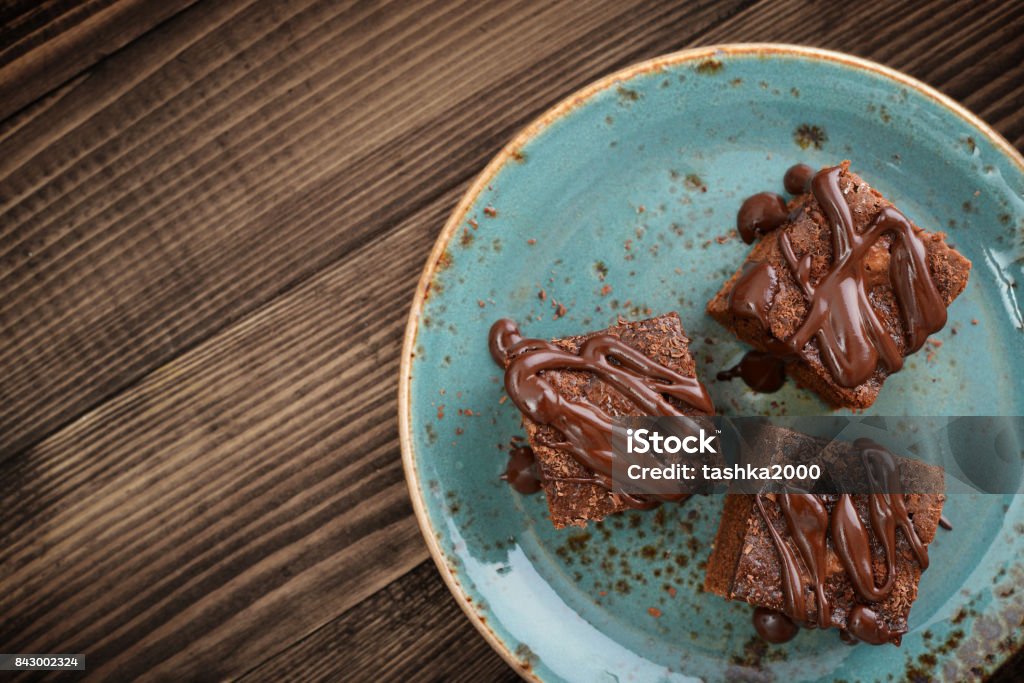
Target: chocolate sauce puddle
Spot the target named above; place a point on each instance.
(851, 340)
(523, 472)
(809, 525)
(760, 371)
(585, 429)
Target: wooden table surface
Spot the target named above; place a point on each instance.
(214, 214)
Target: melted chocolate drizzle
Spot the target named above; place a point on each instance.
(753, 293)
(864, 625)
(851, 340)
(809, 525)
(586, 430)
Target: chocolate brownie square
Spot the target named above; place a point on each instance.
(768, 544)
(842, 304)
(574, 494)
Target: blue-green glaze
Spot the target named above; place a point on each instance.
(637, 189)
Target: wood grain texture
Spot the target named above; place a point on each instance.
(208, 243)
(45, 44)
(240, 499)
(217, 168)
(411, 631)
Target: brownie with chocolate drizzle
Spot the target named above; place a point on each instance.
(840, 286)
(570, 390)
(850, 561)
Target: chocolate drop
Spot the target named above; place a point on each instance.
(774, 627)
(759, 214)
(798, 179)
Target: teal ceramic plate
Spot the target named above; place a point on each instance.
(621, 201)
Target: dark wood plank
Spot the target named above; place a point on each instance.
(411, 631)
(45, 44)
(234, 501)
(235, 151)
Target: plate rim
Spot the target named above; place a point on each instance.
(509, 152)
